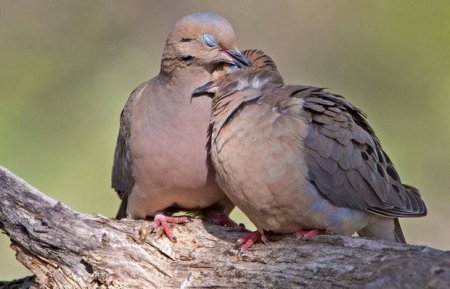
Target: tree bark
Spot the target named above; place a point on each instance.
(67, 249)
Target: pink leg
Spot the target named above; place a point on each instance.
(247, 241)
(221, 219)
(162, 221)
(308, 234)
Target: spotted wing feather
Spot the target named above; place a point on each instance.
(346, 161)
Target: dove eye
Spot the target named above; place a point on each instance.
(209, 40)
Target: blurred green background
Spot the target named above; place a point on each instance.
(67, 68)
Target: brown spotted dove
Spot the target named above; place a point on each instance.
(160, 156)
(299, 159)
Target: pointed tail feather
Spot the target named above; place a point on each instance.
(122, 213)
(398, 232)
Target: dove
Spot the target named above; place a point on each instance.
(160, 155)
(299, 159)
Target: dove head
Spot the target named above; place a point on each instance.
(205, 40)
(237, 88)
(263, 72)
(259, 59)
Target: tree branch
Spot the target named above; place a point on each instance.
(67, 249)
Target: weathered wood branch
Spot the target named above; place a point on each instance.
(66, 249)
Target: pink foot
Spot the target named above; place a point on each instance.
(221, 219)
(161, 221)
(247, 241)
(308, 234)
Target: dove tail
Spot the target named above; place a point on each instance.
(398, 232)
(122, 213)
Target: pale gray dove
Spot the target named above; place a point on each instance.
(299, 159)
(160, 156)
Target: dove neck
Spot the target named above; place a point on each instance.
(176, 72)
(191, 75)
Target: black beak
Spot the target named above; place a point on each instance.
(208, 89)
(240, 59)
(211, 87)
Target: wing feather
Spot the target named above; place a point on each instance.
(346, 161)
(122, 180)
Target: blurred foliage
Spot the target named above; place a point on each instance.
(67, 68)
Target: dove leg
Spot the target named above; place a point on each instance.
(162, 221)
(222, 219)
(308, 234)
(247, 241)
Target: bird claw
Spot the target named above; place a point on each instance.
(308, 234)
(161, 225)
(246, 242)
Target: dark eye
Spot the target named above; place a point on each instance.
(209, 40)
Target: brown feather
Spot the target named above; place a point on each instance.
(122, 179)
(372, 167)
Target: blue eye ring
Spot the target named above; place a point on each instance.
(209, 40)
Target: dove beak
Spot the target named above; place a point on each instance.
(208, 89)
(238, 58)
